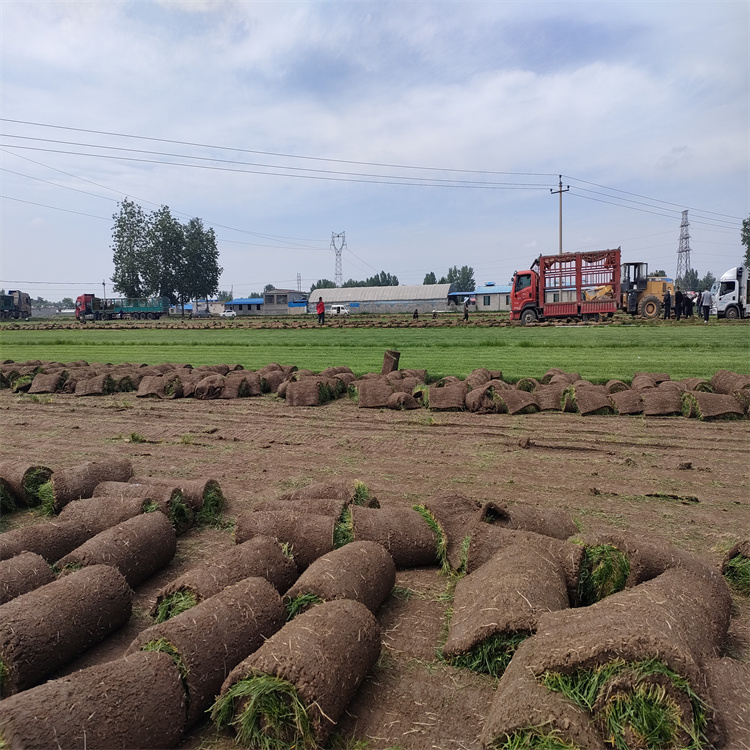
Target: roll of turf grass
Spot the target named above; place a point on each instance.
(24, 479)
(135, 702)
(96, 514)
(49, 539)
(292, 691)
(214, 636)
(260, 556)
(44, 629)
(362, 571)
(204, 495)
(137, 547)
(308, 535)
(23, 573)
(499, 605)
(81, 480)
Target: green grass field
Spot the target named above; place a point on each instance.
(597, 352)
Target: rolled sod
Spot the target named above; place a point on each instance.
(592, 401)
(99, 513)
(204, 495)
(485, 540)
(45, 628)
(627, 402)
(711, 406)
(210, 387)
(49, 539)
(661, 402)
(736, 567)
(616, 386)
(292, 691)
(318, 505)
(308, 535)
(525, 517)
(612, 656)
(134, 702)
(454, 515)
(352, 492)
(500, 603)
(80, 481)
(374, 393)
(549, 397)
(51, 382)
(648, 556)
(261, 556)
(214, 636)
(404, 533)
(22, 573)
(100, 385)
(513, 401)
(480, 400)
(167, 498)
(728, 381)
(448, 398)
(24, 479)
(696, 384)
(138, 548)
(362, 571)
(729, 685)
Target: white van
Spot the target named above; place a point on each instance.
(338, 310)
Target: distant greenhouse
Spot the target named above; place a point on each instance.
(385, 299)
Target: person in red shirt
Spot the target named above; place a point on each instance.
(321, 309)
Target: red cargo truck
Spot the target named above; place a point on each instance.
(580, 286)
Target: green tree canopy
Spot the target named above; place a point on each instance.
(430, 278)
(269, 288)
(67, 302)
(660, 272)
(323, 284)
(745, 236)
(707, 281)
(155, 254)
(689, 282)
(463, 278)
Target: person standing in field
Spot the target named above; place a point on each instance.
(321, 310)
(706, 303)
(667, 302)
(678, 303)
(466, 311)
(687, 304)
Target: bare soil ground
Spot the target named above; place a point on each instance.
(681, 480)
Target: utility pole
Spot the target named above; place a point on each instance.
(560, 190)
(104, 289)
(338, 243)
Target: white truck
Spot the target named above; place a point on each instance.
(730, 294)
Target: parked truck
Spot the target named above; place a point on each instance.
(568, 285)
(730, 294)
(91, 307)
(15, 304)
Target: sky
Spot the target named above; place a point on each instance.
(429, 134)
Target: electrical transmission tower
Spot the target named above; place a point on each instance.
(683, 252)
(338, 243)
(299, 282)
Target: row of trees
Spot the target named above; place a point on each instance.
(379, 279)
(462, 278)
(156, 255)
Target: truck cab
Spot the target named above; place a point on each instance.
(730, 294)
(524, 302)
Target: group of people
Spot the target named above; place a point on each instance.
(683, 304)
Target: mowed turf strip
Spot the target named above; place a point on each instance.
(598, 352)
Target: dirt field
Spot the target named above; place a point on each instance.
(681, 480)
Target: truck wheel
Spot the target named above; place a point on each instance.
(732, 313)
(591, 317)
(649, 307)
(136, 316)
(528, 316)
(149, 316)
